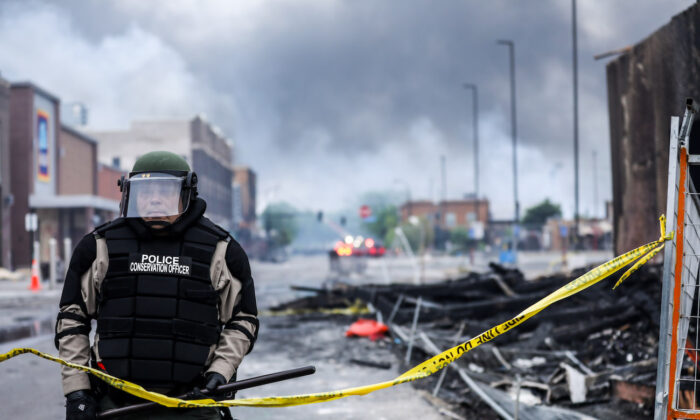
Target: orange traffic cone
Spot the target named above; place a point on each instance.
(35, 284)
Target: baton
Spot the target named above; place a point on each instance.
(233, 386)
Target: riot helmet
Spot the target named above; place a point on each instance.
(160, 188)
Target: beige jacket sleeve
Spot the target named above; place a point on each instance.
(73, 324)
(235, 339)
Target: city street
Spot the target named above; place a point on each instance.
(425, 175)
(31, 386)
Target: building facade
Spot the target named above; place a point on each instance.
(107, 178)
(448, 214)
(200, 143)
(34, 122)
(53, 174)
(245, 183)
(78, 207)
(5, 192)
(646, 86)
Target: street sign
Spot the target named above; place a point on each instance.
(31, 222)
(563, 231)
(476, 231)
(365, 211)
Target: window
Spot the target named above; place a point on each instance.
(450, 219)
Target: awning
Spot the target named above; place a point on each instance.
(72, 201)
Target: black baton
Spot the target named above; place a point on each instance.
(233, 386)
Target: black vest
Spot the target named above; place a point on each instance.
(158, 314)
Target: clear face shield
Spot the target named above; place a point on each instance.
(155, 197)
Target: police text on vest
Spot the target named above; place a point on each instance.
(163, 264)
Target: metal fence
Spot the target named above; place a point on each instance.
(678, 380)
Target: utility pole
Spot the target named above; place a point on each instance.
(575, 65)
(443, 204)
(595, 184)
(444, 177)
(514, 133)
(475, 125)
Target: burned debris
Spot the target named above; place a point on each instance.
(590, 356)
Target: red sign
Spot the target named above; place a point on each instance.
(365, 211)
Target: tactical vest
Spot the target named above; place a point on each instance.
(157, 315)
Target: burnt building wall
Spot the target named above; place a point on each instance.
(646, 86)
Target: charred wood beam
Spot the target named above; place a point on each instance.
(491, 307)
(568, 333)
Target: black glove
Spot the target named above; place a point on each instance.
(81, 405)
(213, 380)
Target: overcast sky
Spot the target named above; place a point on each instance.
(327, 99)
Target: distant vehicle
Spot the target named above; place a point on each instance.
(350, 256)
(369, 248)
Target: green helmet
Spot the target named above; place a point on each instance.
(161, 184)
(160, 161)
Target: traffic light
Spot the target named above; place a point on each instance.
(319, 216)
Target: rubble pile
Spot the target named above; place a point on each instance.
(592, 355)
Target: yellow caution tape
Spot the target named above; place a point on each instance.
(357, 308)
(430, 366)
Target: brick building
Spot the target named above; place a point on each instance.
(448, 214)
(5, 192)
(107, 177)
(53, 174)
(78, 205)
(245, 181)
(34, 116)
(420, 208)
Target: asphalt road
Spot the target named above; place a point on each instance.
(31, 387)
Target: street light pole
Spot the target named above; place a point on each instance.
(595, 184)
(575, 66)
(514, 132)
(475, 125)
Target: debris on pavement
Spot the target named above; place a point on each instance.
(591, 356)
(371, 363)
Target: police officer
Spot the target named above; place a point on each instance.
(171, 293)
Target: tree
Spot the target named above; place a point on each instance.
(386, 219)
(460, 238)
(539, 213)
(280, 223)
(414, 233)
